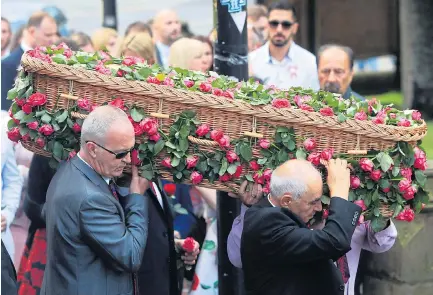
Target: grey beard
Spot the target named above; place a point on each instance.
(332, 87)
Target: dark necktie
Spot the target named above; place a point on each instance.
(113, 189)
(343, 266)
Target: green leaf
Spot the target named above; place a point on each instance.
(148, 174)
(265, 153)
(370, 184)
(175, 162)
(246, 152)
(378, 224)
(232, 169)
(376, 211)
(183, 144)
(202, 166)
(325, 199)
(301, 155)
(179, 175)
(11, 124)
(19, 115)
(352, 196)
(291, 145)
(158, 147)
(249, 178)
(386, 162)
(170, 145)
(281, 129)
(46, 118)
(341, 117)
(189, 114)
(282, 156)
(137, 115)
(184, 131)
(12, 94)
(262, 161)
(145, 72)
(397, 208)
(215, 284)
(395, 171)
(224, 166)
(62, 117)
(384, 183)
(205, 287)
(23, 130)
(41, 113)
(420, 177)
(59, 58)
(375, 196)
(58, 150)
(28, 118)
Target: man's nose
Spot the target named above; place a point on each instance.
(127, 158)
(318, 207)
(332, 77)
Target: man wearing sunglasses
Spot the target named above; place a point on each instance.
(96, 239)
(281, 62)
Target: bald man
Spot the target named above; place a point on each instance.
(280, 254)
(167, 29)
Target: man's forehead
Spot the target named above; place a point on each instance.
(279, 14)
(334, 57)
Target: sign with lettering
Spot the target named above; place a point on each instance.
(234, 5)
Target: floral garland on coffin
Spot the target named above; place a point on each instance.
(386, 183)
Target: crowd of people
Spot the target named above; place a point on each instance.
(102, 237)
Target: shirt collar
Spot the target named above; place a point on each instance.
(25, 47)
(106, 179)
(269, 200)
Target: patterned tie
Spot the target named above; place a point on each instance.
(343, 266)
(113, 189)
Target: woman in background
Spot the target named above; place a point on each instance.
(188, 54)
(208, 51)
(83, 41)
(105, 39)
(138, 45)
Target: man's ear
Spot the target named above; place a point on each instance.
(286, 200)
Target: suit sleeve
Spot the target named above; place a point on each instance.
(9, 72)
(120, 244)
(286, 242)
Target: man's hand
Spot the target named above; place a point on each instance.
(249, 193)
(4, 223)
(338, 178)
(188, 257)
(138, 184)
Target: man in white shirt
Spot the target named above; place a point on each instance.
(166, 29)
(281, 62)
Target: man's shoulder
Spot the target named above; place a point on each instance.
(13, 58)
(259, 53)
(258, 217)
(303, 54)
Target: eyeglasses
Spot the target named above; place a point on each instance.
(118, 156)
(285, 24)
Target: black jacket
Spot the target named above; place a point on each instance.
(94, 241)
(9, 277)
(8, 74)
(281, 256)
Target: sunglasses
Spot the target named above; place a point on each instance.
(119, 155)
(285, 24)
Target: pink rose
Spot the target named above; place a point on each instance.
(229, 94)
(46, 130)
(267, 174)
(33, 125)
(76, 127)
(409, 194)
(118, 103)
(120, 73)
(224, 178)
(27, 108)
(355, 182)
(224, 141)
(361, 219)
(386, 190)
(393, 116)
(202, 130)
(314, 158)
(196, 178)
(166, 162)
(280, 103)
(84, 104)
(153, 80)
(420, 163)
(254, 166)
(406, 215)
(258, 178)
(406, 173)
(129, 61)
(168, 82)
(216, 134)
(379, 120)
(205, 87)
(310, 144)
(404, 123)
(238, 172)
(361, 204)
(20, 101)
(325, 214)
(26, 137)
(361, 116)
(267, 188)
(155, 137)
(419, 153)
(366, 164)
(217, 92)
(327, 154)
(135, 158)
(188, 83)
(72, 154)
(264, 143)
(416, 116)
(306, 107)
(191, 162)
(149, 126)
(40, 142)
(327, 111)
(37, 99)
(14, 134)
(404, 185)
(231, 157)
(375, 175)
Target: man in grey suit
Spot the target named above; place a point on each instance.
(95, 238)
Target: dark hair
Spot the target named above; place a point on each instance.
(283, 5)
(186, 32)
(206, 40)
(346, 49)
(5, 20)
(139, 26)
(69, 42)
(37, 18)
(81, 39)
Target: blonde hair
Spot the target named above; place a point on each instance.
(140, 43)
(101, 37)
(183, 51)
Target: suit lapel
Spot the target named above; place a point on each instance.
(165, 213)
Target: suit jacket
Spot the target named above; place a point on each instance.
(8, 74)
(282, 256)
(9, 276)
(93, 244)
(158, 273)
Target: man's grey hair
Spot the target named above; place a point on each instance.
(346, 49)
(295, 186)
(99, 122)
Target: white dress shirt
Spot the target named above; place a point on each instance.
(297, 69)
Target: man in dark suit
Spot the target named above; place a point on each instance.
(96, 240)
(280, 254)
(9, 276)
(41, 30)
